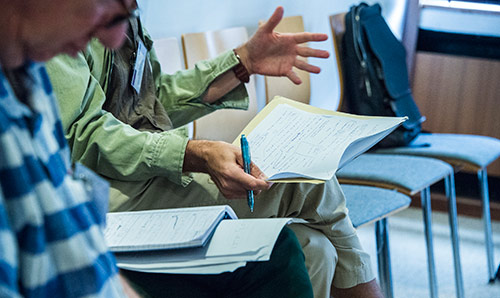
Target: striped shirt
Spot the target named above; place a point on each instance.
(51, 242)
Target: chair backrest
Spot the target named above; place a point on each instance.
(169, 54)
(222, 125)
(282, 85)
(337, 23)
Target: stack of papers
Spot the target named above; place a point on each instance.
(190, 240)
(234, 243)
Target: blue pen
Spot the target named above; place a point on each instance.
(245, 151)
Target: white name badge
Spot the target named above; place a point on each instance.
(139, 67)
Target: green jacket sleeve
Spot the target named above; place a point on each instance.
(99, 140)
(181, 93)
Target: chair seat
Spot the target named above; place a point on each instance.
(478, 151)
(409, 174)
(369, 204)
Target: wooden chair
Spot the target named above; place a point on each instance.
(222, 125)
(407, 175)
(168, 52)
(169, 55)
(472, 153)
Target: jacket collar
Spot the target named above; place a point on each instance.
(11, 106)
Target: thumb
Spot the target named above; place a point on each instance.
(274, 20)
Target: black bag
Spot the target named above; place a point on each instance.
(375, 73)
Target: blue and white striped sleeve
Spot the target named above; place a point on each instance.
(8, 255)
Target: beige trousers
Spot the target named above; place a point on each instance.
(329, 241)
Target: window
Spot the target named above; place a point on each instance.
(479, 1)
(480, 5)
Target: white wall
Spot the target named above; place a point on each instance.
(165, 18)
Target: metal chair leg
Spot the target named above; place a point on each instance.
(383, 257)
(483, 184)
(426, 208)
(452, 216)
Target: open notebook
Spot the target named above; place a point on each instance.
(163, 229)
(292, 140)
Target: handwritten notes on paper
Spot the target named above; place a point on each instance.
(290, 142)
(162, 229)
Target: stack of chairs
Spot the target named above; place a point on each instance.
(408, 175)
(470, 153)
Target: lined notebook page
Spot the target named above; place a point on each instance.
(290, 142)
(163, 229)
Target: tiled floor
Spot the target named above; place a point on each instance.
(409, 258)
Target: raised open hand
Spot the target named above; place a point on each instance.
(274, 54)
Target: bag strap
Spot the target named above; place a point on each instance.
(359, 47)
(359, 44)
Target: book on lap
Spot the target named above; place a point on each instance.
(295, 142)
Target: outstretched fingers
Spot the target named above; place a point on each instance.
(309, 52)
(301, 64)
(292, 76)
(308, 36)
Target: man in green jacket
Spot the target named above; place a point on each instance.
(125, 129)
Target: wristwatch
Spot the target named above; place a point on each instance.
(240, 71)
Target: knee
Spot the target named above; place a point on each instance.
(320, 258)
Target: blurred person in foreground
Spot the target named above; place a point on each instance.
(51, 213)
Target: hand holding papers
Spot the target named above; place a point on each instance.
(292, 140)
